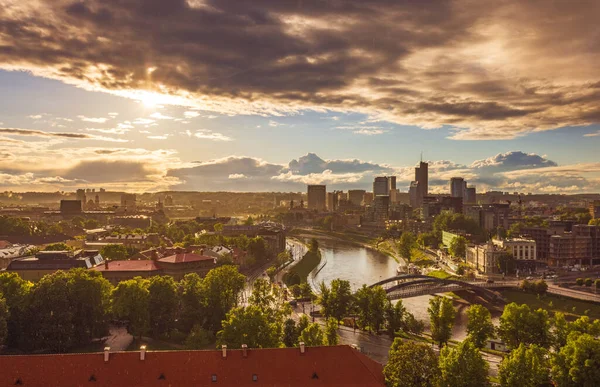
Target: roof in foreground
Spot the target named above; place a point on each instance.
(186, 257)
(318, 366)
(129, 265)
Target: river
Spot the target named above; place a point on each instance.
(360, 265)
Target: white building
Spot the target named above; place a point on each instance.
(520, 248)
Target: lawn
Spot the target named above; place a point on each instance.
(306, 265)
(439, 274)
(573, 309)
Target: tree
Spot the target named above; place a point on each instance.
(441, 316)
(290, 333)
(519, 324)
(331, 335)
(463, 366)
(163, 303)
(3, 320)
(218, 227)
(61, 246)
(479, 326)
(577, 363)
(16, 293)
(198, 338)
(130, 302)
(193, 301)
(458, 247)
(506, 263)
(525, 367)
(410, 364)
(579, 281)
(406, 244)
(312, 336)
(249, 221)
(395, 317)
(371, 304)
(588, 282)
(303, 323)
(114, 252)
(262, 295)
(251, 326)
(414, 326)
(337, 299)
(222, 287)
(314, 246)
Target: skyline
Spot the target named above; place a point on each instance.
(213, 95)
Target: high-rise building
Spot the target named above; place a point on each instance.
(381, 186)
(356, 196)
(332, 201)
(457, 187)
(413, 193)
(381, 207)
(422, 177)
(317, 197)
(80, 195)
(470, 195)
(391, 183)
(595, 209)
(70, 207)
(368, 198)
(128, 202)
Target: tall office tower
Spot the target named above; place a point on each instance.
(380, 186)
(391, 183)
(470, 195)
(413, 193)
(422, 177)
(381, 207)
(368, 198)
(332, 201)
(457, 187)
(317, 197)
(355, 196)
(80, 195)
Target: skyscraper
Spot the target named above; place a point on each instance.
(422, 177)
(317, 197)
(391, 182)
(457, 187)
(413, 193)
(381, 186)
(470, 195)
(355, 196)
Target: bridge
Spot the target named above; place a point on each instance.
(413, 285)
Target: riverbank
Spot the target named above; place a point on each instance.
(300, 271)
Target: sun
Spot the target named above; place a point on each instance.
(151, 100)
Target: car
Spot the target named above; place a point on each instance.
(529, 278)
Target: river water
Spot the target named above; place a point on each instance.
(360, 266)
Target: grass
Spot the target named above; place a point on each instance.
(439, 274)
(306, 265)
(572, 309)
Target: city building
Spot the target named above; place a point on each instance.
(457, 187)
(274, 236)
(317, 197)
(332, 201)
(47, 262)
(470, 195)
(422, 178)
(489, 216)
(391, 183)
(10, 252)
(413, 193)
(381, 186)
(520, 248)
(131, 240)
(381, 206)
(368, 198)
(325, 366)
(80, 195)
(595, 209)
(356, 196)
(484, 258)
(132, 221)
(448, 237)
(71, 207)
(128, 202)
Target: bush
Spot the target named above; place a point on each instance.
(588, 282)
(538, 287)
(198, 338)
(597, 283)
(579, 281)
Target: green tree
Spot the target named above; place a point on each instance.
(303, 323)
(519, 324)
(479, 326)
(525, 367)
(290, 333)
(441, 316)
(411, 364)
(114, 252)
(560, 331)
(395, 317)
(218, 227)
(336, 300)
(193, 302)
(463, 366)
(506, 263)
(249, 221)
(198, 338)
(222, 287)
(251, 326)
(163, 304)
(312, 336)
(458, 247)
(579, 281)
(588, 282)
(406, 244)
(262, 295)
(57, 247)
(130, 302)
(331, 335)
(16, 293)
(577, 363)
(4, 316)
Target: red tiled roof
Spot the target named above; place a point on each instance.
(318, 366)
(185, 257)
(142, 265)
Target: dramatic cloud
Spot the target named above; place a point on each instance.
(40, 133)
(488, 70)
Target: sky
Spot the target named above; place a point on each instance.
(210, 95)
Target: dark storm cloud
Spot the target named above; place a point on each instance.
(109, 171)
(492, 69)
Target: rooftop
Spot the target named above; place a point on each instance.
(317, 366)
(128, 266)
(186, 257)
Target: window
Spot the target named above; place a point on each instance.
(254, 377)
(214, 378)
